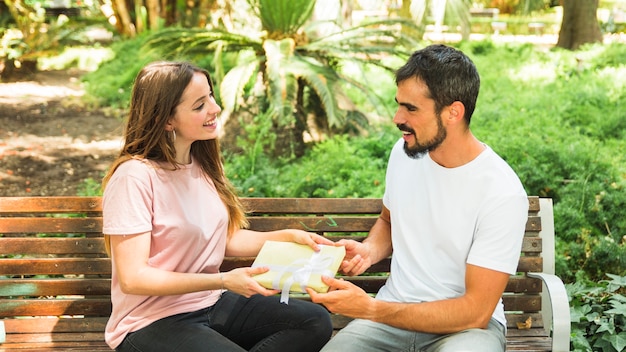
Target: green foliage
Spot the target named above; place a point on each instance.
(282, 18)
(339, 167)
(557, 118)
(90, 188)
(598, 315)
(111, 84)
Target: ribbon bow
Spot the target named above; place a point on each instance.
(301, 270)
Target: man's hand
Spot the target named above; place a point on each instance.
(357, 258)
(344, 298)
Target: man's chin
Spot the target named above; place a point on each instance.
(414, 152)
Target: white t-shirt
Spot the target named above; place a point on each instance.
(444, 218)
(189, 224)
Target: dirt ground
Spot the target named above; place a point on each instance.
(49, 141)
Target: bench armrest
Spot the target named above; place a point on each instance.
(559, 305)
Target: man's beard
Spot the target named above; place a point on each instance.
(420, 149)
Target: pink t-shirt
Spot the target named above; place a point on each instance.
(189, 225)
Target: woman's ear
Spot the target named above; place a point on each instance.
(169, 127)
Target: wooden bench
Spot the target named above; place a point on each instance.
(55, 275)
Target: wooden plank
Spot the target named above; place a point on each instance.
(520, 317)
(52, 245)
(73, 225)
(529, 344)
(61, 204)
(60, 343)
(79, 204)
(532, 245)
(95, 245)
(312, 205)
(55, 325)
(56, 266)
(530, 264)
(522, 303)
(533, 224)
(313, 224)
(54, 287)
(523, 284)
(55, 307)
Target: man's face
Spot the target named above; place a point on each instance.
(422, 126)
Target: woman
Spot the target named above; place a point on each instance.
(170, 217)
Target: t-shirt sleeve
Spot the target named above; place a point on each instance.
(127, 200)
(498, 238)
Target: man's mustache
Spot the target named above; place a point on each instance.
(403, 127)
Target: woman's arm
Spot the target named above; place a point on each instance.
(130, 258)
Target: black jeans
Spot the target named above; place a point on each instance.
(236, 323)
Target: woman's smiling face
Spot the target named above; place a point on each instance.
(196, 116)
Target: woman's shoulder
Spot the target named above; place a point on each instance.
(136, 167)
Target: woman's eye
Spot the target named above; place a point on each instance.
(199, 107)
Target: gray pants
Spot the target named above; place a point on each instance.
(365, 336)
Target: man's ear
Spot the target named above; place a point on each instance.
(456, 111)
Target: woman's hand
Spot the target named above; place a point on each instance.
(240, 281)
(309, 238)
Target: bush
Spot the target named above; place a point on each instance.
(598, 314)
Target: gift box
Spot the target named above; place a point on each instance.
(293, 267)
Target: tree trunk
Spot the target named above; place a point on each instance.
(140, 24)
(168, 12)
(152, 7)
(580, 24)
(125, 21)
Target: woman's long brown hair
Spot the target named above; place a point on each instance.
(156, 93)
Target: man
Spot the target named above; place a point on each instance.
(454, 215)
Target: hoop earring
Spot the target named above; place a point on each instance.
(173, 135)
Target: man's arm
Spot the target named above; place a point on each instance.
(474, 309)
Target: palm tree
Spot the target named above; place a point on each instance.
(287, 71)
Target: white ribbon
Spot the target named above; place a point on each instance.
(302, 270)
